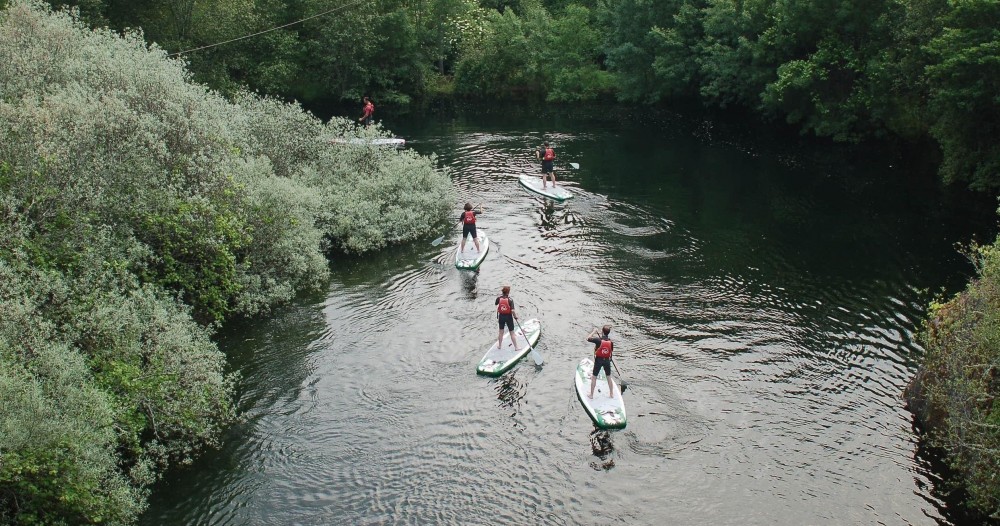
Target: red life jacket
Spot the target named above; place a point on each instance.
(469, 217)
(604, 349)
(550, 155)
(503, 307)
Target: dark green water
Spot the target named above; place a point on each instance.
(764, 293)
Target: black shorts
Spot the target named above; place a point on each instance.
(468, 228)
(602, 362)
(547, 167)
(506, 319)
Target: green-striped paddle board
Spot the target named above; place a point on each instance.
(533, 183)
(470, 259)
(606, 412)
(497, 361)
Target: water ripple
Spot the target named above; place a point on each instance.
(765, 340)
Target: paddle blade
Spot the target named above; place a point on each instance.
(623, 384)
(437, 241)
(576, 167)
(536, 356)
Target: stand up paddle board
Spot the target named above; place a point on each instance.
(358, 141)
(606, 412)
(497, 361)
(471, 258)
(533, 183)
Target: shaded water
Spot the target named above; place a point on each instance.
(764, 295)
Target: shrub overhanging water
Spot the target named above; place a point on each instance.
(139, 211)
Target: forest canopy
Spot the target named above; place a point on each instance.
(849, 70)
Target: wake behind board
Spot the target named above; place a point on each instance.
(533, 183)
(358, 141)
(606, 412)
(471, 258)
(497, 361)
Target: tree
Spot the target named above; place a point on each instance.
(506, 58)
(642, 33)
(964, 81)
(571, 61)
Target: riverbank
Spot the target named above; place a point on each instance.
(955, 395)
(141, 211)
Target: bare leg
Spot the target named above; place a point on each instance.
(513, 339)
(611, 388)
(500, 339)
(476, 241)
(543, 179)
(553, 178)
(593, 383)
(462, 248)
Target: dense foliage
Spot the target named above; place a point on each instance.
(848, 69)
(139, 210)
(139, 207)
(957, 392)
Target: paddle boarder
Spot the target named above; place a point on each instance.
(367, 111)
(603, 346)
(468, 219)
(506, 316)
(548, 156)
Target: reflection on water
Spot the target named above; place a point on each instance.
(510, 392)
(765, 298)
(600, 442)
(470, 281)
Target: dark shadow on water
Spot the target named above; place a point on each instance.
(943, 494)
(603, 448)
(549, 220)
(510, 392)
(470, 283)
(552, 214)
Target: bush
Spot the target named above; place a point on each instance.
(57, 436)
(138, 211)
(957, 387)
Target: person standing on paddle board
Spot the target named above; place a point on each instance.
(367, 112)
(603, 346)
(468, 219)
(506, 316)
(548, 156)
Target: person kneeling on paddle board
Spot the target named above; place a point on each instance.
(548, 156)
(506, 315)
(603, 346)
(468, 219)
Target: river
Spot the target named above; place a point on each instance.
(764, 292)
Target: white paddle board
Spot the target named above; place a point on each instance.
(606, 412)
(533, 183)
(470, 258)
(499, 360)
(358, 141)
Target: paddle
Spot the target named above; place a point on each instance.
(439, 240)
(535, 355)
(624, 384)
(574, 166)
